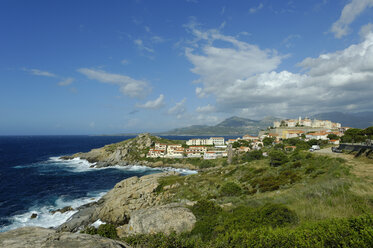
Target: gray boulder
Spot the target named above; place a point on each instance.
(32, 237)
(165, 219)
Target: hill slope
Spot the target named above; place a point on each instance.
(231, 126)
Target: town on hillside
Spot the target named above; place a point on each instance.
(217, 147)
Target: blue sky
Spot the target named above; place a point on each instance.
(119, 66)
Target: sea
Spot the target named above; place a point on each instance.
(34, 180)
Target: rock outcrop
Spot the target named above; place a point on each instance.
(127, 152)
(31, 237)
(165, 219)
(117, 205)
(129, 195)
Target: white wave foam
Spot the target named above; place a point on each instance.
(82, 165)
(142, 168)
(75, 164)
(44, 216)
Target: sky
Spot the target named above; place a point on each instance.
(124, 66)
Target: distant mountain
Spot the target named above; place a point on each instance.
(233, 126)
(356, 120)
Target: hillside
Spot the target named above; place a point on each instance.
(309, 200)
(233, 126)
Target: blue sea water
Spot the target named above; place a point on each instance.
(34, 180)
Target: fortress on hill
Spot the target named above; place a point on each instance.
(306, 122)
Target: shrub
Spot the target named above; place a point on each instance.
(230, 189)
(107, 230)
(271, 182)
(353, 232)
(277, 158)
(277, 215)
(206, 164)
(205, 208)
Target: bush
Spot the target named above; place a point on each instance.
(205, 208)
(230, 189)
(271, 182)
(108, 231)
(277, 215)
(206, 164)
(353, 232)
(253, 155)
(277, 158)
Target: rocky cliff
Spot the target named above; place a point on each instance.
(135, 206)
(128, 152)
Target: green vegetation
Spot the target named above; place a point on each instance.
(230, 189)
(353, 135)
(104, 230)
(277, 158)
(197, 162)
(267, 141)
(289, 199)
(240, 143)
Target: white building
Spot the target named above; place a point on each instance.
(249, 137)
(199, 142)
(197, 149)
(154, 153)
(210, 155)
(159, 146)
(217, 141)
(194, 154)
(317, 136)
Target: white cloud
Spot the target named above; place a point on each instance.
(127, 85)
(178, 109)
(140, 44)
(124, 62)
(155, 104)
(349, 13)
(200, 93)
(40, 73)
(66, 82)
(365, 30)
(256, 9)
(243, 78)
(157, 39)
(288, 40)
(206, 109)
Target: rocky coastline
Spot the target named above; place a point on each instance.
(129, 152)
(133, 206)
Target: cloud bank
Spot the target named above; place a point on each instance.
(155, 104)
(349, 13)
(127, 85)
(243, 78)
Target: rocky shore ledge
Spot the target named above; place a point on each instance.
(128, 152)
(134, 206)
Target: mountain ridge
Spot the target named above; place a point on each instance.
(232, 126)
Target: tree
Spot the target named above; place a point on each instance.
(333, 136)
(277, 158)
(267, 141)
(353, 135)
